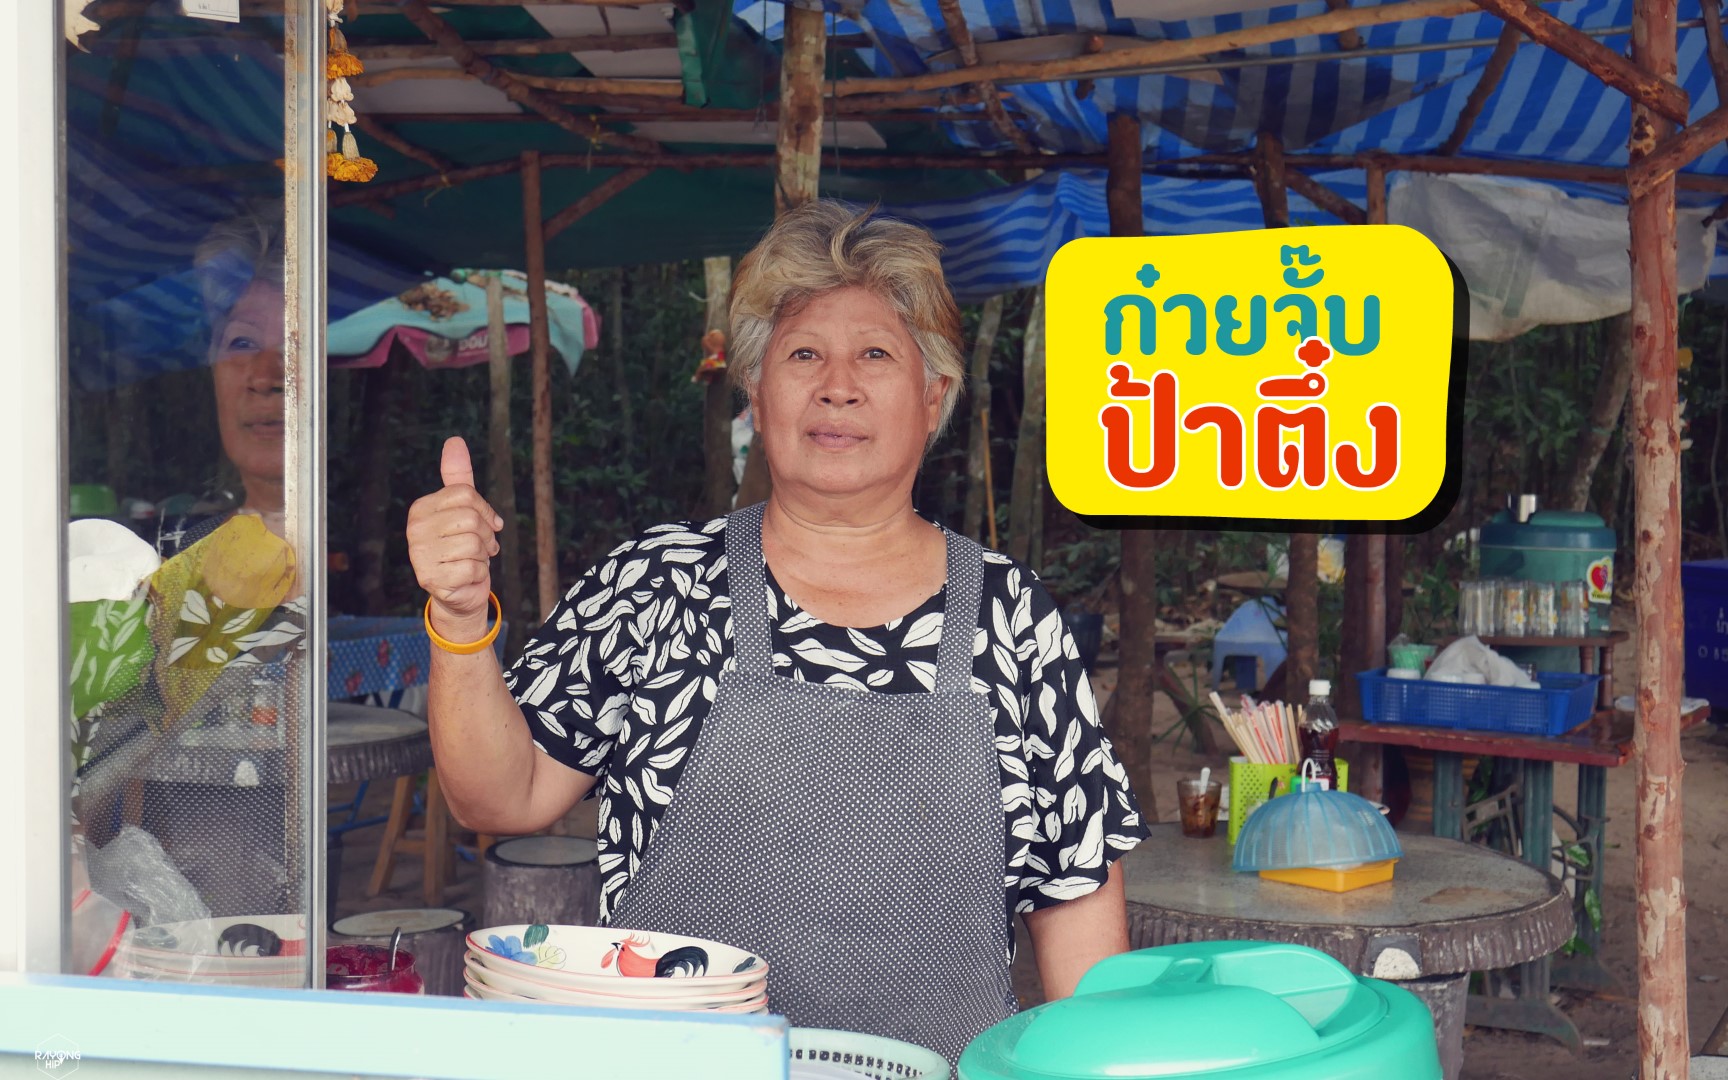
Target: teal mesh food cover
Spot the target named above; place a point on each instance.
(1314, 827)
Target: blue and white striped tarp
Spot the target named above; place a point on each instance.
(1545, 109)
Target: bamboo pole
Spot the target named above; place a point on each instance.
(978, 446)
(592, 201)
(435, 28)
(1381, 576)
(1659, 872)
(545, 510)
(661, 90)
(1492, 73)
(501, 484)
(1635, 80)
(1161, 52)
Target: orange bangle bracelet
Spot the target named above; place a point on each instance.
(474, 646)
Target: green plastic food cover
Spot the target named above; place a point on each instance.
(1241, 1010)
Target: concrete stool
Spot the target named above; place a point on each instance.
(1249, 632)
(435, 937)
(553, 880)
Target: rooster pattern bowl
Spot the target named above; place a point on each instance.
(603, 958)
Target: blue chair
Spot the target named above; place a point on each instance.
(1250, 634)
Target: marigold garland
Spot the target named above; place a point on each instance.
(339, 66)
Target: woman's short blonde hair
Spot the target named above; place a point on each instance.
(826, 245)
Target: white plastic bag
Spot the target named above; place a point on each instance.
(134, 870)
(1467, 660)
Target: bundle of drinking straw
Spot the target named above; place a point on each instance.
(1266, 732)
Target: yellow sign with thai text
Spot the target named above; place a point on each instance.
(1278, 378)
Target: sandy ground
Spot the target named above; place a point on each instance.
(1607, 1021)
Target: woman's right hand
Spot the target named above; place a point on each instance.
(452, 536)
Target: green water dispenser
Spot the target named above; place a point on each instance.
(1236, 1009)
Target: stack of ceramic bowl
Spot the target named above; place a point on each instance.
(602, 968)
(240, 950)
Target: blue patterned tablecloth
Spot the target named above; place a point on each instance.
(383, 655)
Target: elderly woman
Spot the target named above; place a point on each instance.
(822, 728)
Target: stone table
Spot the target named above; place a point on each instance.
(1451, 908)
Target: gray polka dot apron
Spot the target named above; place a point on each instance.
(852, 839)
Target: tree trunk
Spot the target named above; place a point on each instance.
(1352, 657)
(620, 368)
(989, 322)
(501, 466)
(1659, 877)
(1612, 382)
(717, 486)
(372, 517)
(1023, 503)
(545, 510)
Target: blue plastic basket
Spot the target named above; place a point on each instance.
(1563, 703)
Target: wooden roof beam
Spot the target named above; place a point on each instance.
(961, 35)
(1324, 197)
(1660, 95)
(398, 50)
(1162, 52)
(1492, 72)
(592, 201)
(1676, 151)
(663, 89)
(1348, 40)
(439, 31)
(371, 126)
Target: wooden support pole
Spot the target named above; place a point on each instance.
(501, 459)
(1637, 81)
(978, 446)
(1128, 714)
(1675, 151)
(1024, 504)
(1659, 878)
(1302, 580)
(539, 334)
(664, 91)
(1382, 578)
(1162, 52)
(961, 35)
(592, 201)
(1492, 72)
(1325, 198)
(441, 32)
(1715, 48)
(797, 167)
(798, 145)
(718, 485)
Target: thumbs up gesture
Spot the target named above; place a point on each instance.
(452, 536)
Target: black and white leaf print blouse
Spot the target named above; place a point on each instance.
(617, 682)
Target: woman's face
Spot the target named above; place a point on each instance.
(246, 359)
(842, 403)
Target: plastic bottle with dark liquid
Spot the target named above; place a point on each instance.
(1320, 734)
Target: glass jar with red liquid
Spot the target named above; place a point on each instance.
(368, 968)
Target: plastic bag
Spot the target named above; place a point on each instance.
(98, 924)
(135, 871)
(1467, 660)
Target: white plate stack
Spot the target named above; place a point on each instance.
(239, 950)
(603, 968)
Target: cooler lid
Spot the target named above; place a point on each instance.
(1705, 573)
(1550, 529)
(1183, 1010)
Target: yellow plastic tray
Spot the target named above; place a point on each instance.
(1331, 880)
